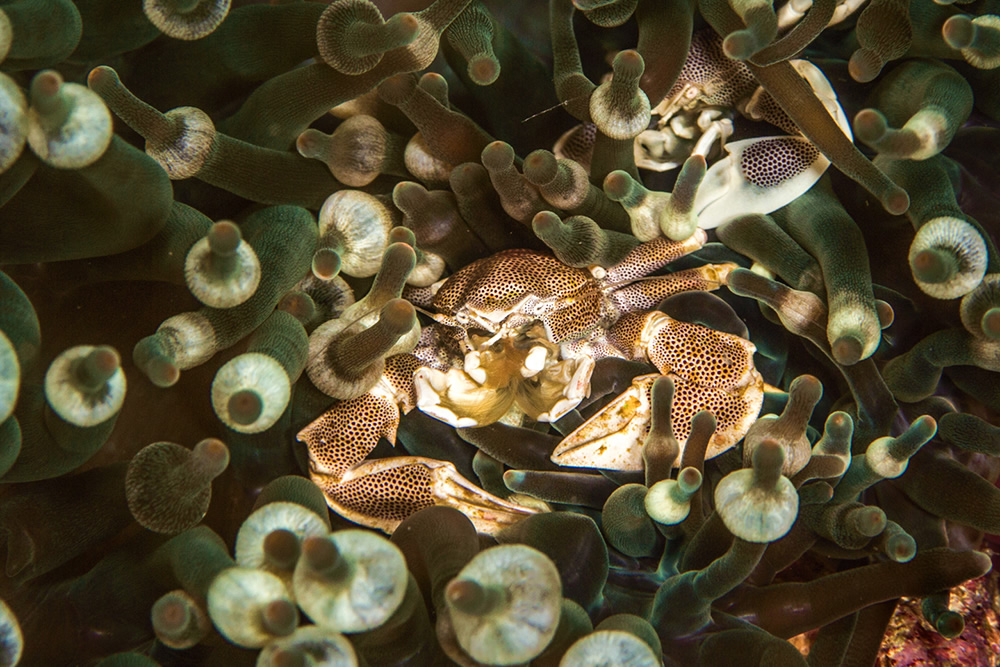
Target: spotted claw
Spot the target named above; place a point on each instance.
(346, 433)
(762, 174)
(381, 493)
(612, 439)
(711, 370)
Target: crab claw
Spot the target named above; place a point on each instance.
(612, 439)
(759, 175)
(347, 432)
(762, 174)
(380, 494)
(702, 356)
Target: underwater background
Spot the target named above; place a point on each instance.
(714, 379)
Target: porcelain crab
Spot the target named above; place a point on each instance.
(753, 174)
(515, 336)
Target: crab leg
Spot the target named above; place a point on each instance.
(647, 293)
(651, 256)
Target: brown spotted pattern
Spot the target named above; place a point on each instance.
(626, 335)
(499, 309)
(612, 438)
(501, 282)
(720, 80)
(517, 287)
(733, 413)
(765, 108)
(701, 355)
(391, 494)
(440, 347)
(347, 432)
(650, 256)
(381, 493)
(576, 317)
(646, 294)
(578, 144)
(398, 377)
(768, 162)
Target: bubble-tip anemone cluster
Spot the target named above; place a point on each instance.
(650, 331)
